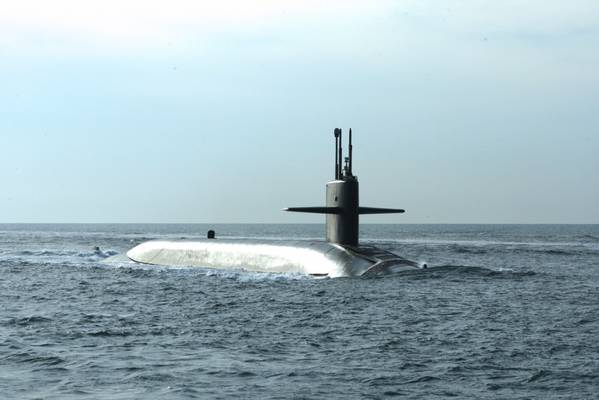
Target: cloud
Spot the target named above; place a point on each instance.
(356, 26)
(147, 22)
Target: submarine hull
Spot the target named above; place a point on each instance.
(322, 259)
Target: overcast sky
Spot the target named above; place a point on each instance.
(223, 111)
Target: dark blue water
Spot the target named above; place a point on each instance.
(508, 312)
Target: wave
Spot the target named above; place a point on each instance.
(125, 265)
(539, 375)
(64, 253)
(557, 252)
(27, 321)
(474, 243)
(482, 248)
(109, 333)
(446, 271)
(252, 276)
(29, 357)
(468, 250)
(570, 251)
(99, 253)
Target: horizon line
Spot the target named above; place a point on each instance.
(295, 223)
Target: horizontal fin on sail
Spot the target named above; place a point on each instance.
(339, 210)
(316, 210)
(375, 210)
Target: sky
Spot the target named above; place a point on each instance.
(468, 111)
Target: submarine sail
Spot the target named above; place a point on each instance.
(342, 200)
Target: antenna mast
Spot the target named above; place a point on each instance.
(350, 153)
(337, 131)
(340, 155)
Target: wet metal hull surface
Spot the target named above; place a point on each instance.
(304, 257)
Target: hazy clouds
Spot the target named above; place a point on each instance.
(470, 111)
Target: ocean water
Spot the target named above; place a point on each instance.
(505, 312)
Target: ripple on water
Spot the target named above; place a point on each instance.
(493, 321)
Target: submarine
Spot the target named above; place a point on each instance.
(340, 255)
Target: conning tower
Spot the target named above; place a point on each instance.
(342, 199)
